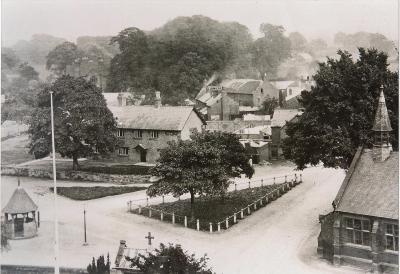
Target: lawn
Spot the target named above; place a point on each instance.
(15, 151)
(209, 210)
(83, 193)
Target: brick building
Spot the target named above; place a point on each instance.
(278, 128)
(363, 228)
(144, 130)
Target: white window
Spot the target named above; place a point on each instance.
(137, 133)
(121, 133)
(358, 231)
(123, 151)
(154, 134)
(392, 237)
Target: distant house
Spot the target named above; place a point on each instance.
(145, 130)
(257, 150)
(278, 128)
(223, 102)
(255, 133)
(290, 91)
(363, 229)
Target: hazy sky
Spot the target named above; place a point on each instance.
(72, 18)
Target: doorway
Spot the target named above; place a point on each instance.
(19, 227)
(143, 154)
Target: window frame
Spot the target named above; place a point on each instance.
(124, 149)
(392, 236)
(154, 134)
(121, 132)
(137, 134)
(357, 233)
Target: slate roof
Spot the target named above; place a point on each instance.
(382, 122)
(151, 118)
(281, 116)
(371, 188)
(244, 86)
(20, 202)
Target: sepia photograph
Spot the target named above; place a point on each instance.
(199, 137)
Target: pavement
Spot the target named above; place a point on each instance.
(279, 238)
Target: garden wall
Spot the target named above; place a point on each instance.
(75, 175)
(27, 269)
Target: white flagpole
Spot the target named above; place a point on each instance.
(56, 263)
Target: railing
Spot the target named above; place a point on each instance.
(144, 208)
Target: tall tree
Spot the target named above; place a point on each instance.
(202, 165)
(82, 122)
(271, 50)
(339, 110)
(269, 105)
(297, 41)
(28, 72)
(169, 259)
(62, 56)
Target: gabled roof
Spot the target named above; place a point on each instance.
(152, 118)
(281, 116)
(382, 122)
(244, 86)
(281, 84)
(20, 202)
(371, 188)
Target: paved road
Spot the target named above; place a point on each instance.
(280, 238)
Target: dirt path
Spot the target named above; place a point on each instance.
(280, 238)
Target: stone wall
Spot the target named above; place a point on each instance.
(28, 269)
(74, 175)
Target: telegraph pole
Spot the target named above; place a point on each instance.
(56, 263)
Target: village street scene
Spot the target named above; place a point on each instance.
(177, 137)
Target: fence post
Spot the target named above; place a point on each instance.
(185, 221)
(162, 216)
(274, 180)
(255, 205)
(147, 201)
(163, 199)
(285, 178)
(262, 182)
(211, 228)
(198, 225)
(248, 210)
(149, 212)
(234, 218)
(227, 223)
(241, 214)
(140, 209)
(173, 218)
(219, 227)
(249, 185)
(261, 203)
(235, 187)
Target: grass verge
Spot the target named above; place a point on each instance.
(83, 193)
(209, 210)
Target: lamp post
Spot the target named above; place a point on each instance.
(84, 224)
(56, 264)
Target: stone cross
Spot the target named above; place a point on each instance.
(149, 237)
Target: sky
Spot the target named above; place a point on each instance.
(70, 19)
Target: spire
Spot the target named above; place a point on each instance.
(382, 122)
(381, 128)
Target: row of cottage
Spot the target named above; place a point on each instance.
(233, 107)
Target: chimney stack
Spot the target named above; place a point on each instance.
(157, 101)
(121, 99)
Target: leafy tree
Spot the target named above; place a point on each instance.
(269, 105)
(99, 266)
(297, 41)
(9, 59)
(62, 56)
(202, 165)
(28, 72)
(170, 260)
(82, 121)
(271, 50)
(340, 109)
(316, 45)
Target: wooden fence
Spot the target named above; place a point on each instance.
(143, 206)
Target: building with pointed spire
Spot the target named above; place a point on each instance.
(363, 229)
